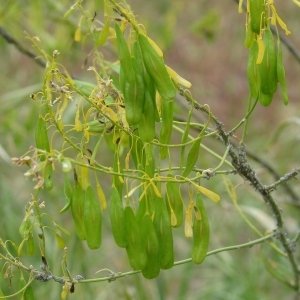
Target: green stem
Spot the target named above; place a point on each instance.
(235, 247)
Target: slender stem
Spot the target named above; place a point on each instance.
(222, 161)
(10, 39)
(235, 247)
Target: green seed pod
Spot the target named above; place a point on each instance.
(257, 15)
(133, 90)
(117, 218)
(174, 202)
(77, 208)
(48, 176)
(25, 228)
(95, 127)
(68, 194)
(167, 111)
(150, 89)
(149, 161)
(265, 100)
(201, 233)
(92, 219)
(253, 72)
(134, 101)
(268, 66)
(41, 137)
(162, 225)
(30, 245)
(281, 73)
(124, 56)
(135, 249)
(85, 88)
(151, 244)
(142, 210)
(104, 33)
(192, 157)
(156, 69)
(250, 36)
(131, 80)
(147, 123)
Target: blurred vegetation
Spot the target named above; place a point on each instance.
(203, 41)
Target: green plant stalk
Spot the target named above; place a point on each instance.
(245, 119)
(214, 154)
(222, 161)
(235, 247)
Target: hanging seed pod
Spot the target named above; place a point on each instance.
(257, 15)
(250, 36)
(268, 67)
(48, 176)
(201, 233)
(192, 157)
(104, 33)
(124, 55)
(162, 225)
(117, 218)
(131, 80)
(77, 208)
(41, 137)
(151, 244)
(135, 248)
(149, 161)
(253, 72)
(281, 73)
(147, 123)
(68, 194)
(167, 111)
(30, 245)
(92, 219)
(156, 69)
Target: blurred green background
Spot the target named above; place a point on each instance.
(203, 41)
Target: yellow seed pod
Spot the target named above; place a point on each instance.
(64, 292)
(181, 81)
(77, 36)
(188, 224)
(173, 219)
(85, 178)
(101, 196)
(261, 50)
(78, 125)
(156, 48)
(108, 112)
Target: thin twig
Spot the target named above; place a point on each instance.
(10, 39)
(283, 179)
(273, 172)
